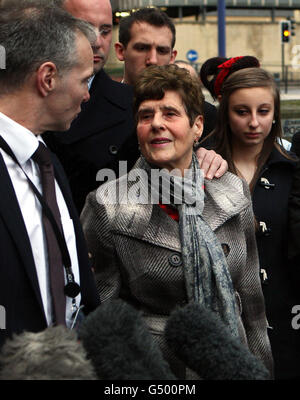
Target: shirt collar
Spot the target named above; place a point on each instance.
(90, 81)
(21, 140)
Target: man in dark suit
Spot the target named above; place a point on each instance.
(104, 133)
(42, 88)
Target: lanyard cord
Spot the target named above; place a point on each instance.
(72, 289)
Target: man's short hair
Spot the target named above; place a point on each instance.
(151, 16)
(32, 33)
(58, 3)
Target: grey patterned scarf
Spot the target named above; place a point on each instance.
(208, 280)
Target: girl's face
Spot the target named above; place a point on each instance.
(251, 113)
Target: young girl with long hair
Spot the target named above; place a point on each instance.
(246, 135)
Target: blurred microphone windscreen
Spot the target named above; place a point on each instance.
(201, 340)
(120, 345)
(52, 354)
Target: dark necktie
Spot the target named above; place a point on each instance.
(56, 270)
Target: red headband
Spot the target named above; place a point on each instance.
(225, 68)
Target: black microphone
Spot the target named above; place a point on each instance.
(200, 339)
(120, 346)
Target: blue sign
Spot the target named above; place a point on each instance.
(192, 55)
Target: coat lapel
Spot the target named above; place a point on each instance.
(62, 182)
(88, 294)
(226, 198)
(12, 217)
(147, 222)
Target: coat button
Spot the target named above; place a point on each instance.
(175, 260)
(113, 150)
(225, 248)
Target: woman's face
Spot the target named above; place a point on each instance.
(164, 132)
(251, 113)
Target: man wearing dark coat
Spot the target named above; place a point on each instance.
(95, 136)
(105, 122)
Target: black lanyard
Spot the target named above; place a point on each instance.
(72, 289)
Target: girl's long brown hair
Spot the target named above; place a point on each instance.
(247, 78)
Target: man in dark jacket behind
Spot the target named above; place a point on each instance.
(105, 122)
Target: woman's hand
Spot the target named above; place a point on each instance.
(212, 164)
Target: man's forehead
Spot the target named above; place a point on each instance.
(97, 12)
(146, 33)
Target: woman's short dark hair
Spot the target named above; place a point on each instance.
(155, 81)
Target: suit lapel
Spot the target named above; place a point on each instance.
(63, 184)
(82, 252)
(12, 217)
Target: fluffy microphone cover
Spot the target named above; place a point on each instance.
(53, 354)
(200, 339)
(120, 346)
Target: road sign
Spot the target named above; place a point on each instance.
(192, 55)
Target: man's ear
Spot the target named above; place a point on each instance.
(198, 126)
(173, 56)
(119, 49)
(46, 75)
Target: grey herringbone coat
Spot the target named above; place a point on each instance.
(137, 254)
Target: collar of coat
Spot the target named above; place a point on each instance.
(277, 157)
(226, 197)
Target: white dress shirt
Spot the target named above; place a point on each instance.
(24, 143)
(90, 81)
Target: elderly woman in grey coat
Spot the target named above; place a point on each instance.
(162, 235)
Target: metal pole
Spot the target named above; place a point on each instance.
(282, 63)
(180, 14)
(221, 28)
